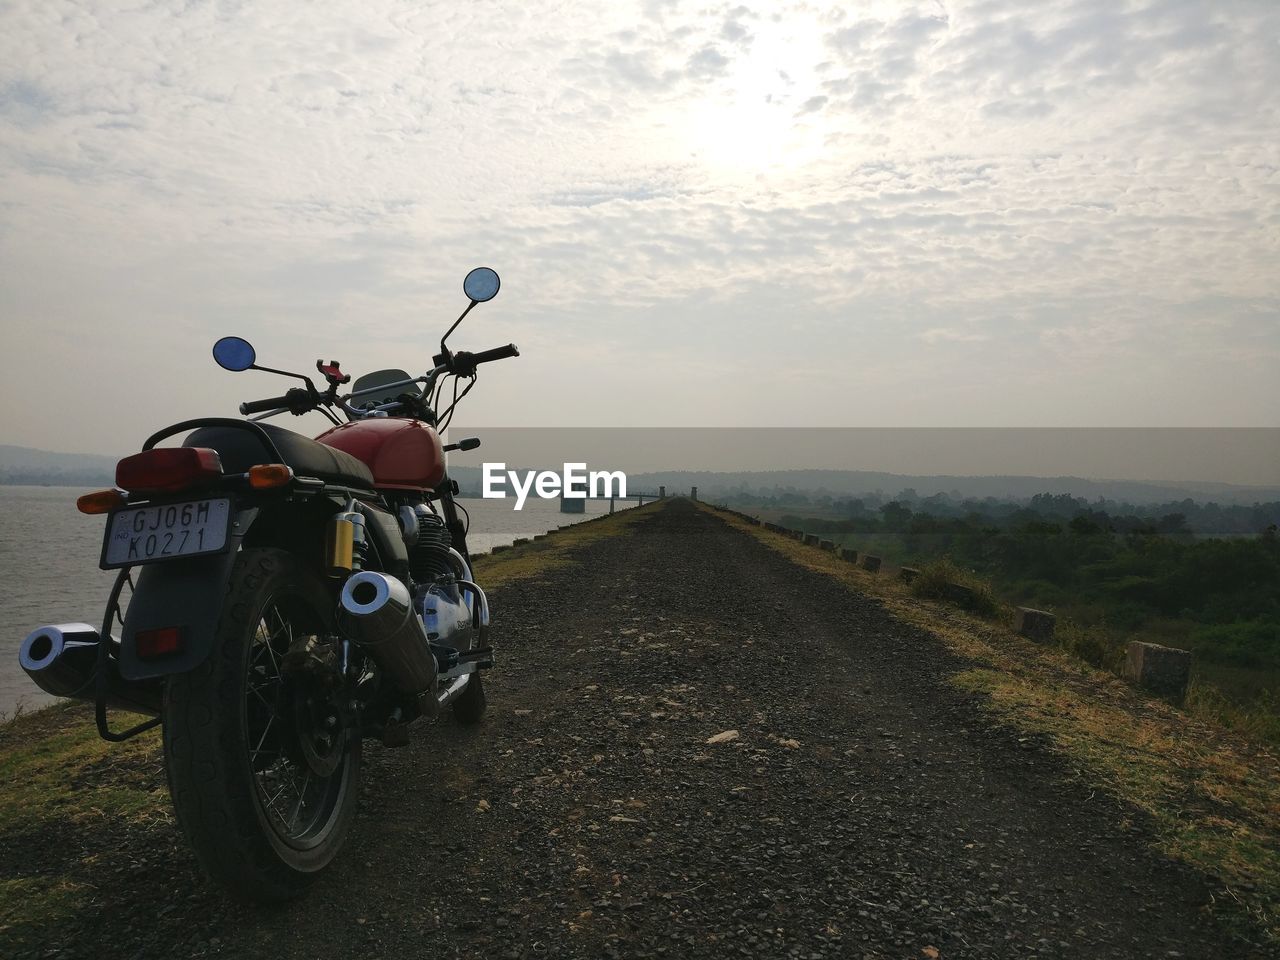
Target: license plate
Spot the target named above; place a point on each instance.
(166, 531)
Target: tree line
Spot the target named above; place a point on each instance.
(1213, 574)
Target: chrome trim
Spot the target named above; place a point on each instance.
(408, 525)
(483, 600)
(461, 569)
(390, 631)
(453, 690)
(62, 660)
(386, 386)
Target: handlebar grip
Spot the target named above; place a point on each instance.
(259, 406)
(497, 353)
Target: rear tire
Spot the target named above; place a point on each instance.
(262, 821)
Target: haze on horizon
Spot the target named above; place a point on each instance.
(880, 214)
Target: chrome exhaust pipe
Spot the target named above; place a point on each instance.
(62, 659)
(377, 613)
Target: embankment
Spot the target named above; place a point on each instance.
(701, 743)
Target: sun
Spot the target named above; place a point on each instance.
(761, 115)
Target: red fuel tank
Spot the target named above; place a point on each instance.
(401, 454)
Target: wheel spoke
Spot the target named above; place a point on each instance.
(294, 798)
(257, 692)
(267, 641)
(271, 804)
(263, 739)
(302, 795)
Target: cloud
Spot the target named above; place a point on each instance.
(708, 62)
(951, 335)
(738, 192)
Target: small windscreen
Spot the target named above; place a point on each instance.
(379, 387)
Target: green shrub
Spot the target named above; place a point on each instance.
(1252, 643)
(937, 576)
(1095, 644)
(1257, 716)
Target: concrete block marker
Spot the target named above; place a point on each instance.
(827, 545)
(958, 593)
(1034, 624)
(811, 539)
(500, 547)
(907, 574)
(871, 563)
(850, 555)
(519, 541)
(1164, 671)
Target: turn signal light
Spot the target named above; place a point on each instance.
(100, 501)
(167, 469)
(151, 644)
(265, 476)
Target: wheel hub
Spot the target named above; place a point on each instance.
(321, 732)
(319, 708)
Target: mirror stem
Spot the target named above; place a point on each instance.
(455, 324)
(285, 373)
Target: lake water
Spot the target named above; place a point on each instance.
(49, 564)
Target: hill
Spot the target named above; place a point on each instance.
(863, 482)
(44, 467)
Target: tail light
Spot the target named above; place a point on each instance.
(265, 476)
(168, 469)
(101, 501)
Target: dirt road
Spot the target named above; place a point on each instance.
(862, 808)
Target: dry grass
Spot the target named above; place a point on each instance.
(1212, 794)
(54, 769)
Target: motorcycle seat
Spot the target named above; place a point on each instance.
(242, 449)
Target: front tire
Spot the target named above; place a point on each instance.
(263, 762)
(470, 707)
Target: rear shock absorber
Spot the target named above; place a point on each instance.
(346, 545)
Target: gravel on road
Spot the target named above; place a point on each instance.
(695, 749)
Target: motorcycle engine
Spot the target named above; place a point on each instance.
(429, 558)
(445, 613)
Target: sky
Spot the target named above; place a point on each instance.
(883, 214)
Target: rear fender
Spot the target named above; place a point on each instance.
(180, 593)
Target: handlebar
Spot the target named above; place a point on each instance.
(497, 353)
(259, 406)
(296, 400)
(464, 364)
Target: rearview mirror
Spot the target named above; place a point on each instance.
(481, 284)
(234, 353)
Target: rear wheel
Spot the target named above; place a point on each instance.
(263, 757)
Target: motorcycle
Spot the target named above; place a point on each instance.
(288, 598)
